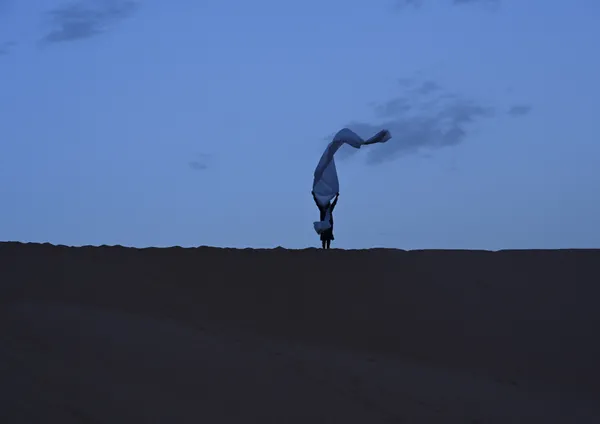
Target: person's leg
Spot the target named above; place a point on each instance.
(323, 243)
(328, 243)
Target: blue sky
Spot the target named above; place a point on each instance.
(201, 122)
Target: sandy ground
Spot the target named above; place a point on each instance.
(117, 335)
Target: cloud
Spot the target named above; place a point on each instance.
(6, 47)
(459, 2)
(519, 110)
(198, 166)
(201, 163)
(86, 18)
(424, 117)
(404, 3)
(428, 87)
(418, 3)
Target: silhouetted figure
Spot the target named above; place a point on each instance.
(327, 235)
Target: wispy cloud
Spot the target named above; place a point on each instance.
(201, 163)
(459, 2)
(424, 117)
(86, 18)
(418, 3)
(198, 166)
(406, 3)
(519, 110)
(6, 47)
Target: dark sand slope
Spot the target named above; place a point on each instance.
(115, 335)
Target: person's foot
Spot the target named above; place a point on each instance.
(383, 136)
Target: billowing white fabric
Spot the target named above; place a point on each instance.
(325, 183)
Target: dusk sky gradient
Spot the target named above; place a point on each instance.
(154, 123)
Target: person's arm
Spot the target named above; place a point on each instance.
(335, 201)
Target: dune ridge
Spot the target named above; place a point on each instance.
(377, 335)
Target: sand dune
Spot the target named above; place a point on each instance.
(120, 335)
